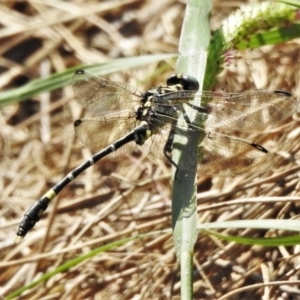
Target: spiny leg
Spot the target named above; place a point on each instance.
(169, 145)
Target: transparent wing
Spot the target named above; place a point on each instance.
(229, 111)
(229, 156)
(101, 96)
(218, 154)
(98, 133)
(254, 110)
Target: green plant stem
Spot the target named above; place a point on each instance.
(193, 46)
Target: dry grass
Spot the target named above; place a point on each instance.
(114, 200)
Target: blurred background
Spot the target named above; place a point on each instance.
(117, 199)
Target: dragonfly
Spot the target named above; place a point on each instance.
(124, 118)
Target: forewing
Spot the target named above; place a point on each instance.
(101, 96)
(253, 110)
(230, 111)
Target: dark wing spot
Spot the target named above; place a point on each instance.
(77, 122)
(79, 72)
(283, 92)
(259, 147)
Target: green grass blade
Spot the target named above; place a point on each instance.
(272, 37)
(59, 80)
(295, 3)
(289, 225)
(266, 242)
(74, 262)
(193, 46)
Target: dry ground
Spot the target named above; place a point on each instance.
(120, 199)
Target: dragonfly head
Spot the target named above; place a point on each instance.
(183, 82)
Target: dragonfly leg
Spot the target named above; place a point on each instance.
(186, 117)
(169, 147)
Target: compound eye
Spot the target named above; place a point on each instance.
(190, 83)
(173, 79)
(187, 82)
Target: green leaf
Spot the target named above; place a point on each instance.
(290, 225)
(266, 242)
(295, 3)
(272, 37)
(194, 41)
(59, 80)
